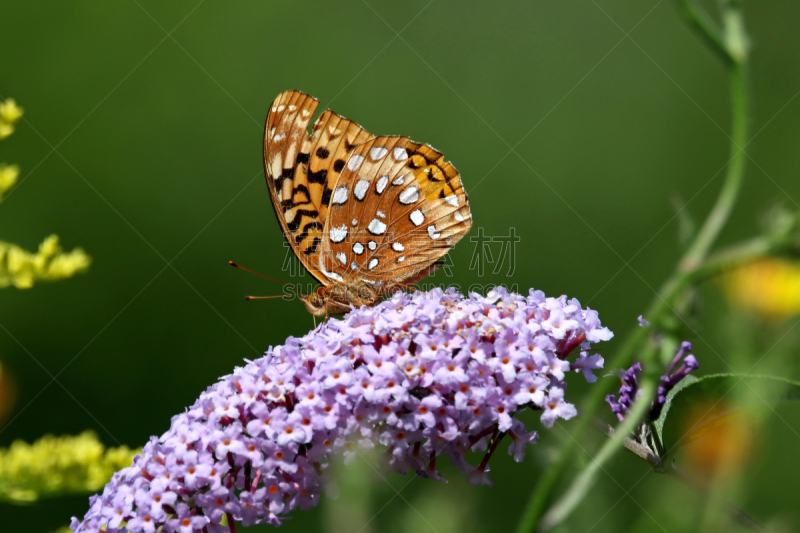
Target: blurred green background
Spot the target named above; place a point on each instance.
(142, 144)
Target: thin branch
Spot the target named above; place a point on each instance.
(705, 26)
(630, 444)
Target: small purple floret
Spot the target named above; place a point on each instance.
(627, 392)
(422, 374)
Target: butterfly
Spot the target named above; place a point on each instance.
(365, 215)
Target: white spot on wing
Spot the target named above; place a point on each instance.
(305, 113)
(432, 232)
(342, 258)
(338, 234)
(452, 200)
(376, 227)
(458, 216)
(417, 217)
(361, 188)
(372, 245)
(378, 153)
(339, 195)
(353, 266)
(330, 275)
(381, 214)
(373, 263)
(292, 108)
(400, 154)
(400, 260)
(358, 248)
(354, 162)
(381, 185)
(398, 247)
(355, 222)
(399, 180)
(409, 195)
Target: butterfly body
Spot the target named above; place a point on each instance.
(365, 215)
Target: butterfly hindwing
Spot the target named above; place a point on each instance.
(301, 169)
(396, 209)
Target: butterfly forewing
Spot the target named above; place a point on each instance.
(301, 169)
(396, 208)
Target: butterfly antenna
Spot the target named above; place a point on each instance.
(231, 263)
(263, 297)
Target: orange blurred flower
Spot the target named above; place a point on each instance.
(719, 441)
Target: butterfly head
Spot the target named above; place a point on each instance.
(316, 303)
(339, 298)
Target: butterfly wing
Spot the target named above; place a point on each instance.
(395, 210)
(301, 169)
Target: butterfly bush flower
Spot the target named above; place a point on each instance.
(629, 390)
(423, 375)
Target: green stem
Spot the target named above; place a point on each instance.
(581, 485)
(731, 44)
(729, 193)
(734, 256)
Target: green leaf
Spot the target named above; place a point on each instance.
(717, 390)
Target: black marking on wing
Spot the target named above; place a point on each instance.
(294, 225)
(287, 174)
(326, 196)
(318, 177)
(311, 225)
(313, 248)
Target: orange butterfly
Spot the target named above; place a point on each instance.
(365, 215)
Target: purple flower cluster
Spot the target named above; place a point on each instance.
(422, 374)
(629, 390)
(671, 378)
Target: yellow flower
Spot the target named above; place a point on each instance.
(8, 176)
(53, 466)
(769, 287)
(10, 112)
(22, 268)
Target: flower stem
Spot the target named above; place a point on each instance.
(231, 523)
(730, 43)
